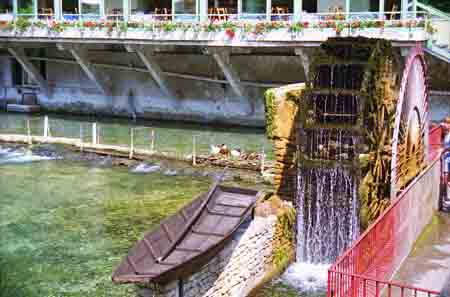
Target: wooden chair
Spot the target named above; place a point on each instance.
(393, 12)
(162, 14)
(47, 13)
(222, 13)
(167, 16)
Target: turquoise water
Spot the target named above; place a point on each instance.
(64, 226)
(170, 137)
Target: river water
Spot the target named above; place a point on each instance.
(66, 222)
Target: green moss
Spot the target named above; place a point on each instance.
(271, 110)
(424, 237)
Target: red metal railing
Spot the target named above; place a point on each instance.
(365, 269)
(435, 140)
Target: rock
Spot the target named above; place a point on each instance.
(145, 168)
(170, 172)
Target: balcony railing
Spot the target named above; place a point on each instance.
(288, 17)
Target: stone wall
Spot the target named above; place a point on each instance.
(281, 118)
(235, 271)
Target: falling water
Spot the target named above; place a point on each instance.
(327, 202)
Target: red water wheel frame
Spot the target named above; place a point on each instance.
(411, 118)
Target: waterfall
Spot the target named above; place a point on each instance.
(327, 213)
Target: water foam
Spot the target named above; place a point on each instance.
(145, 168)
(15, 156)
(307, 276)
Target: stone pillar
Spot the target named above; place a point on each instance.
(281, 119)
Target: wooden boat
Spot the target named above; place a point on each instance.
(188, 239)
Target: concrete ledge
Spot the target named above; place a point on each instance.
(275, 37)
(23, 108)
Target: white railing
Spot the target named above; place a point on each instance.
(288, 17)
(439, 43)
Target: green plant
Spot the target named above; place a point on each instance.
(169, 27)
(22, 24)
(284, 237)
(270, 109)
(211, 27)
(122, 27)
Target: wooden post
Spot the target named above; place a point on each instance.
(98, 134)
(152, 141)
(131, 143)
(46, 128)
(94, 133)
(29, 132)
(263, 157)
(194, 154)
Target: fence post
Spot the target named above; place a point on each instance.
(99, 133)
(94, 133)
(29, 132)
(263, 157)
(46, 128)
(152, 141)
(131, 143)
(194, 151)
(81, 137)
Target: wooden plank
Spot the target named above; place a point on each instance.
(181, 235)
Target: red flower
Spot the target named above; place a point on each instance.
(305, 25)
(230, 33)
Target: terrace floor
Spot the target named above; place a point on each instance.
(428, 265)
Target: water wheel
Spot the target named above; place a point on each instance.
(365, 111)
(410, 141)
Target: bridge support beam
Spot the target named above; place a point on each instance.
(222, 58)
(147, 57)
(80, 54)
(21, 57)
(305, 59)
